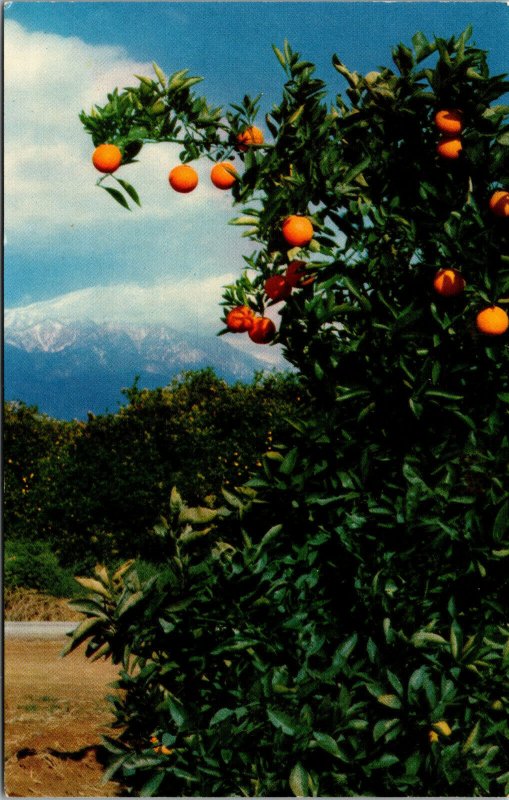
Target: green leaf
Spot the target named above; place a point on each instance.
(503, 139)
(221, 715)
(131, 191)
(288, 463)
(282, 721)
(501, 524)
(128, 602)
(176, 710)
(422, 638)
(118, 196)
(329, 744)
(93, 586)
(160, 74)
(296, 115)
(384, 762)
(384, 726)
(279, 55)
(198, 515)
(90, 607)
(82, 632)
(247, 219)
(299, 781)
(389, 700)
(149, 789)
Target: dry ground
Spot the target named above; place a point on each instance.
(54, 713)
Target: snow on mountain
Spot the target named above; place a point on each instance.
(69, 367)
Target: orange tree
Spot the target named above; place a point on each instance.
(351, 637)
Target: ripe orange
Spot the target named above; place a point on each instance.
(449, 147)
(296, 274)
(107, 158)
(183, 178)
(277, 288)
(449, 120)
(240, 319)
(262, 330)
(499, 203)
(249, 136)
(223, 175)
(492, 321)
(297, 230)
(449, 282)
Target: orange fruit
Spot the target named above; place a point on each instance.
(297, 230)
(183, 178)
(154, 739)
(449, 147)
(296, 274)
(167, 751)
(277, 288)
(240, 319)
(107, 158)
(249, 136)
(449, 120)
(492, 321)
(449, 282)
(262, 330)
(223, 175)
(499, 203)
(433, 736)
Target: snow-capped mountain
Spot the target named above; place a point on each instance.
(68, 368)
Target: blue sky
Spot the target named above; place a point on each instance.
(68, 245)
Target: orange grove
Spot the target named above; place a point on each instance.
(492, 321)
(183, 178)
(107, 158)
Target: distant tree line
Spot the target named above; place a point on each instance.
(94, 490)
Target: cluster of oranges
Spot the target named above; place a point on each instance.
(491, 321)
(450, 123)
(262, 330)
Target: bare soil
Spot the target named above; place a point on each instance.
(54, 713)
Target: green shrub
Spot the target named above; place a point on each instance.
(33, 565)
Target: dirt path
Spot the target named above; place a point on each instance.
(54, 713)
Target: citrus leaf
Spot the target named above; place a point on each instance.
(118, 196)
(389, 700)
(282, 721)
(299, 781)
(93, 586)
(131, 191)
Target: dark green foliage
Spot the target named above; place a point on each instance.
(341, 628)
(96, 489)
(33, 565)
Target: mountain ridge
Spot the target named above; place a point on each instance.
(68, 368)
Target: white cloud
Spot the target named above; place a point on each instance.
(186, 304)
